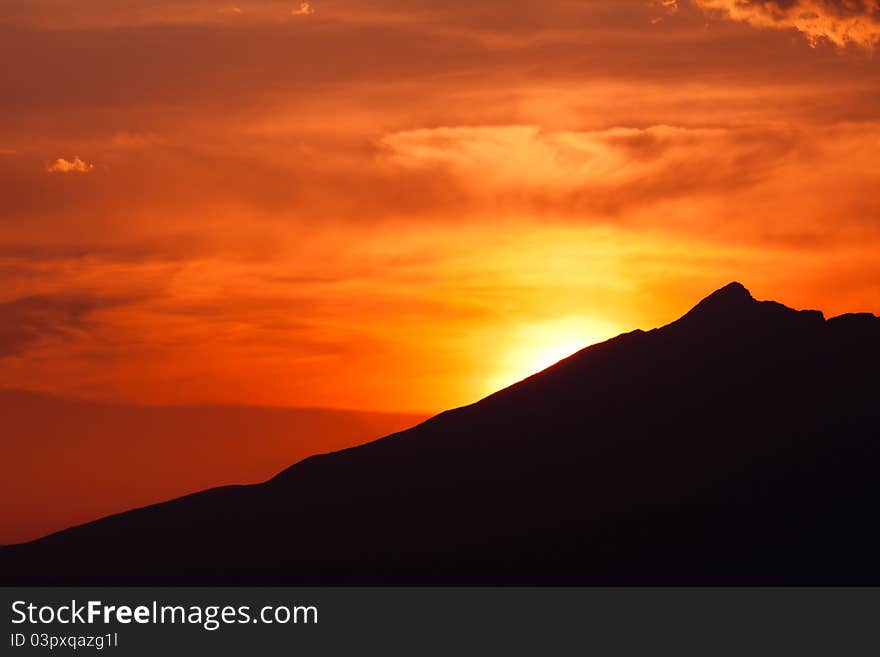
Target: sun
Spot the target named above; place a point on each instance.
(533, 347)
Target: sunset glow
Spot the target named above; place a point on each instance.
(404, 206)
(533, 348)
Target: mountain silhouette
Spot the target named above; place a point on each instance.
(68, 461)
(738, 445)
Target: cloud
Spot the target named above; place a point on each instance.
(76, 165)
(841, 22)
(304, 9)
(600, 171)
(666, 7)
(27, 320)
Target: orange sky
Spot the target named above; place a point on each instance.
(403, 205)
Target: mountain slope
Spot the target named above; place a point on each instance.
(737, 445)
(68, 461)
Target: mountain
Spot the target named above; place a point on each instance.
(68, 461)
(737, 445)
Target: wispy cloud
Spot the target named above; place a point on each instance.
(841, 22)
(76, 165)
(27, 320)
(596, 171)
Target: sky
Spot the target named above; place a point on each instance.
(63, 462)
(403, 206)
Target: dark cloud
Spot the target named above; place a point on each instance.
(841, 22)
(27, 320)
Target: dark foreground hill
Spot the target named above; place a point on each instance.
(738, 445)
(68, 461)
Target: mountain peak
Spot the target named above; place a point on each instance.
(734, 290)
(733, 303)
(733, 297)
(732, 294)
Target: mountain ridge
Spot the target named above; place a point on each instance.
(702, 452)
(128, 455)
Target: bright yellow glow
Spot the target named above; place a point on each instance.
(535, 347)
